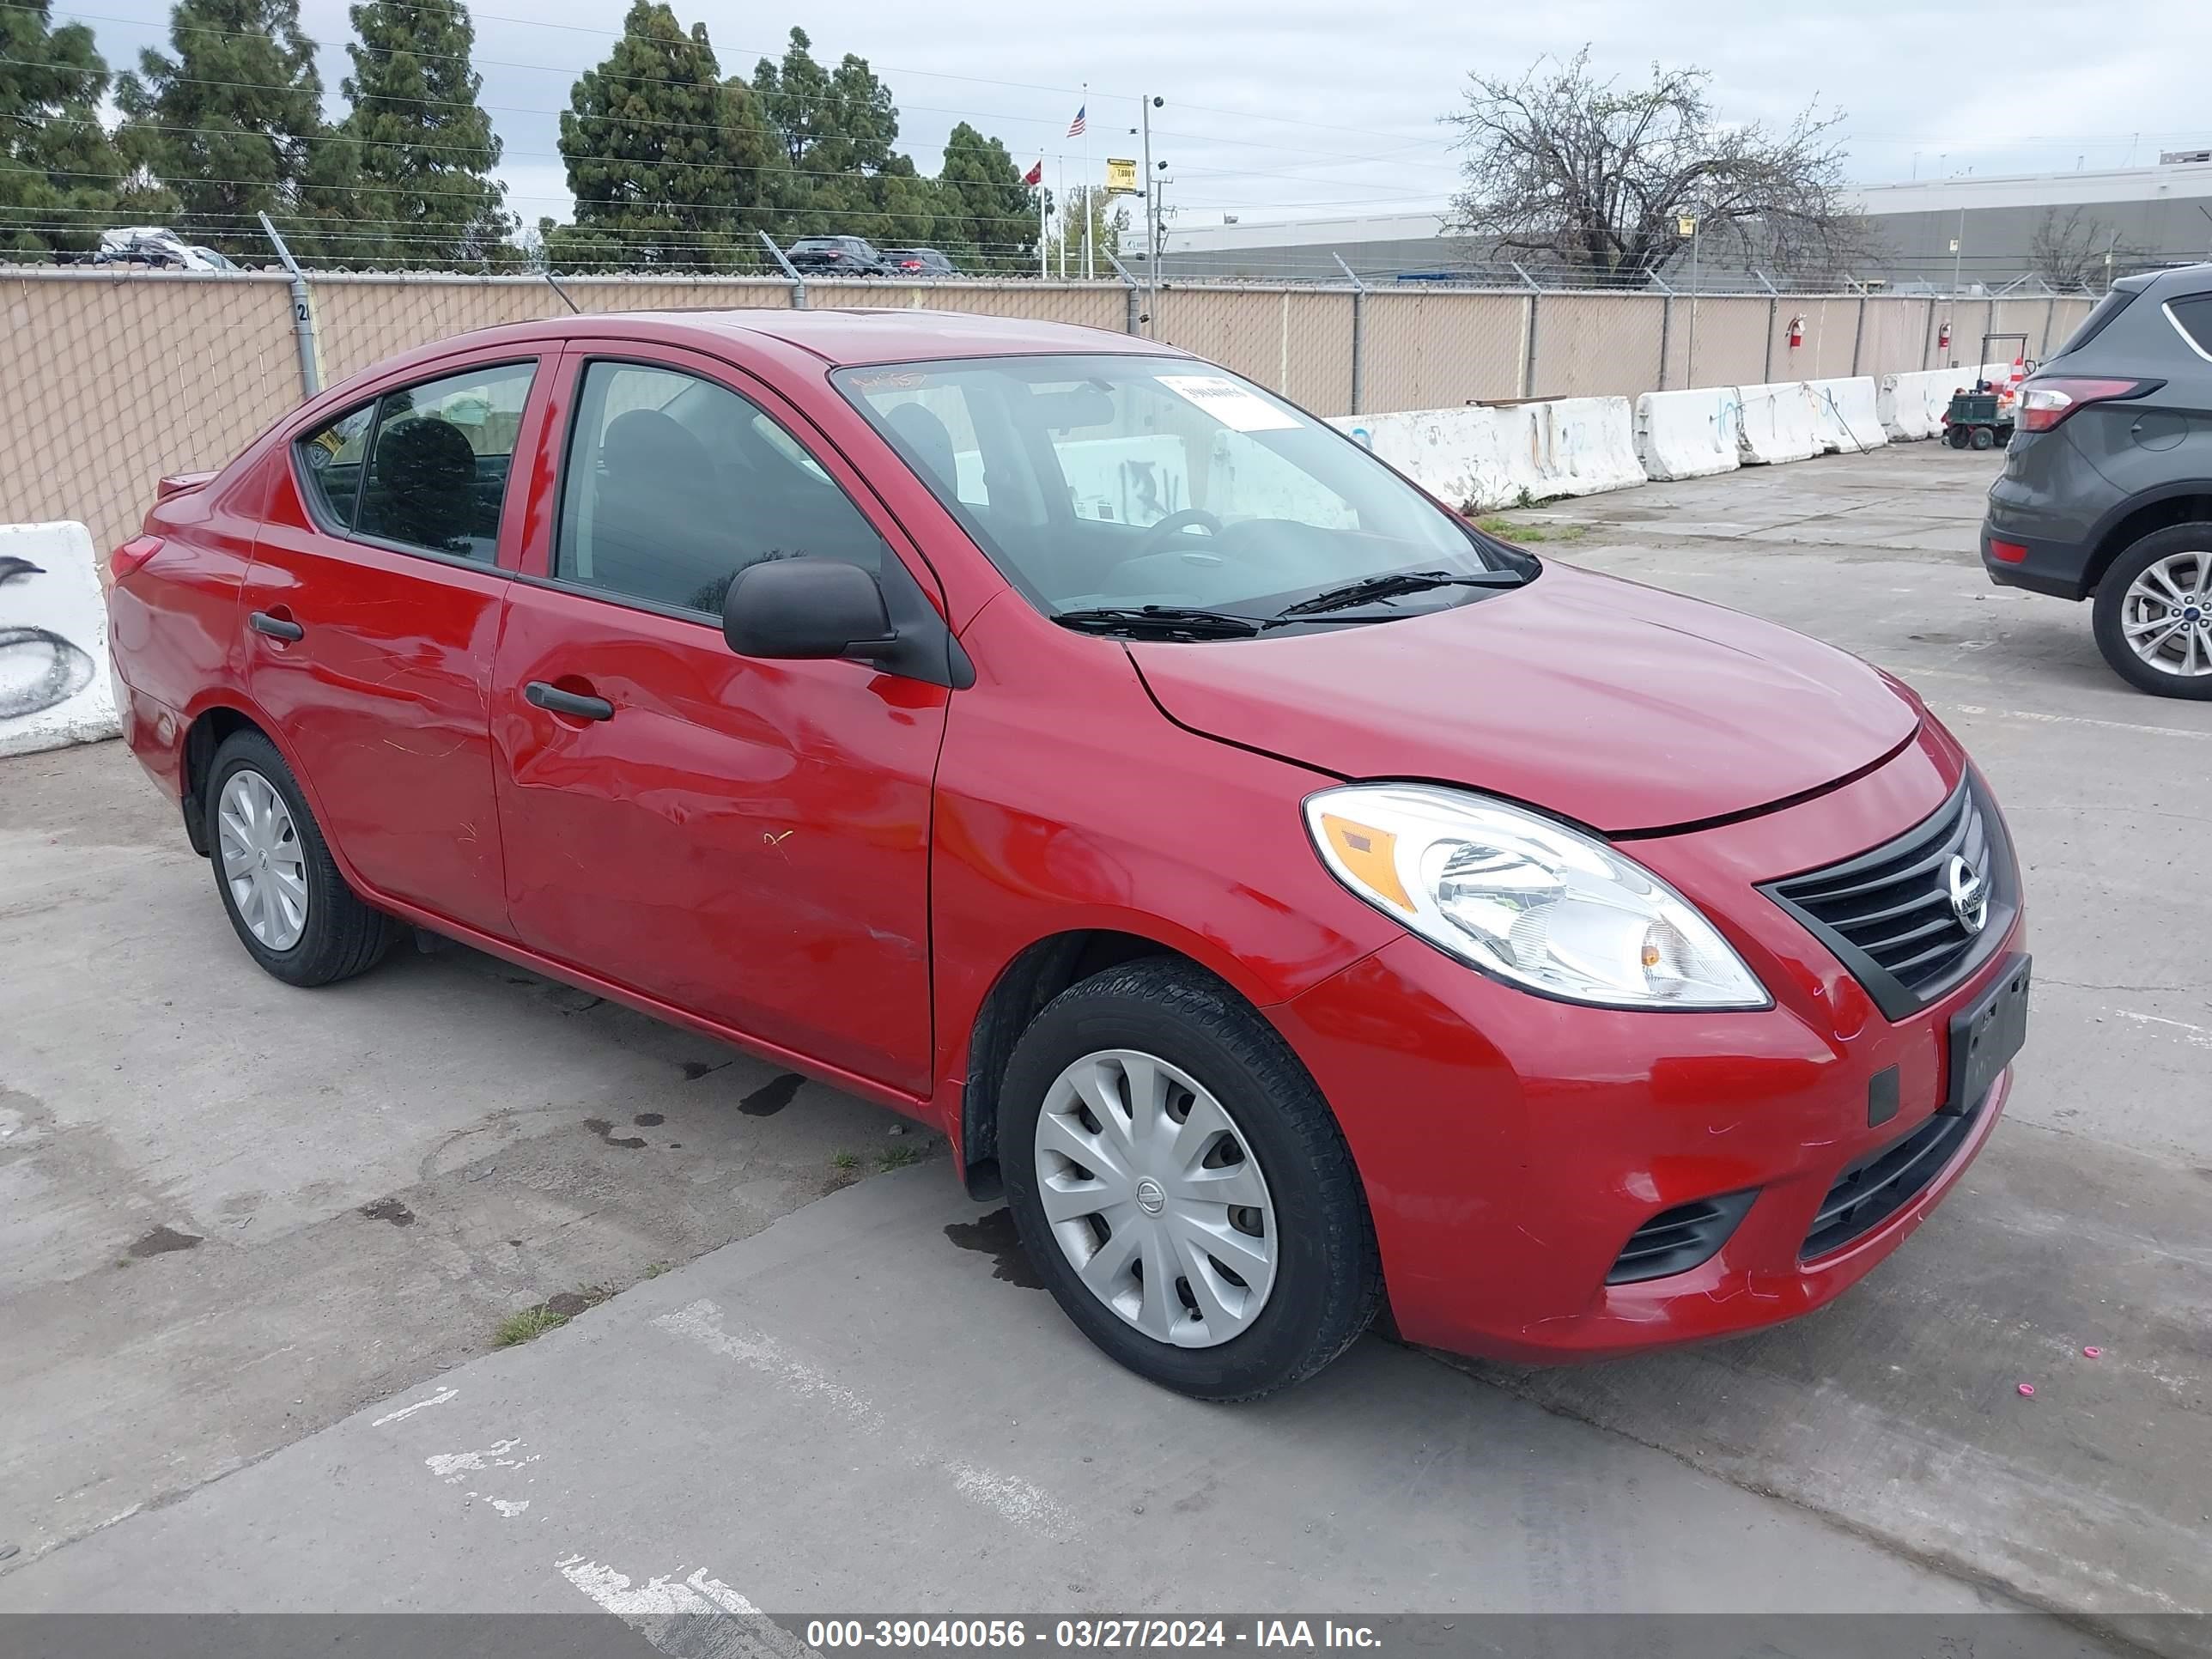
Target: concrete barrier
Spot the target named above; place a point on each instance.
(1457, 455)
(1687, 434)
(1569, 446)
(54, 683)
(1502, 456)
(1846, 419)
(1776, 423)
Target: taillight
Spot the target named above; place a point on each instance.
(131, 555)
(2007, 552)
(2044, 403)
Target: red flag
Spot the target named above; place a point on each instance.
(1034, 176)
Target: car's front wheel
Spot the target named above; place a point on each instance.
(292, 909)
(1182, 1186)
(2153, 613)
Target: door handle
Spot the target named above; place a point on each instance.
(568, 702)
(276, 628)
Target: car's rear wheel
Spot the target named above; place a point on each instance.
(292, 909)
(1182, 1187)
(2154, 614)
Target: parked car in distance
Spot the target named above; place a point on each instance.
(155, 245)
(920, 262)
(2106, 491)
(836, 256)
(1288, 898)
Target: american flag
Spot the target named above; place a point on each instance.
(1075, 127)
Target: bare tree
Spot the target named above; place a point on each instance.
(1566, 167)
(2076, 251)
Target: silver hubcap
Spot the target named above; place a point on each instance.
(262, 860)
(2166, 615)
(1155, 1199)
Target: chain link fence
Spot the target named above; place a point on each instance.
(116, 376)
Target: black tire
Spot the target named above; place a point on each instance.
(342, 936)
(2112, 596)
(1328, 1281)
(1956, 437)
(1984, 438)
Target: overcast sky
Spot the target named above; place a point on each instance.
(1318, 108)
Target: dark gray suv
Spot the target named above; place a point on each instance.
(2106, 491)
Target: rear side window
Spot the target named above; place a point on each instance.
(2098, 319)
(438, 461)
(2193, 316)
(674, 484)
(330, 461)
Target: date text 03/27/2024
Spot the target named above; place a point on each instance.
(932, 1634)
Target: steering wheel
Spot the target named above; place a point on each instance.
(1175, 524)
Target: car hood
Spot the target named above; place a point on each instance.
(1619, 706)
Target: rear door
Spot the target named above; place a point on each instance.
(372, 612)
(746, 841)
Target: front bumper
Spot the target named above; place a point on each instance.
(1511, 1145)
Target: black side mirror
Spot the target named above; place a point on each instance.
(803, 608)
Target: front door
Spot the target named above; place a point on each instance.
(373, 608)
(746, 841)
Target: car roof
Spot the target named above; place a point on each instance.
(837, 337)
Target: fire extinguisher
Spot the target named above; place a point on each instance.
(1944, 335)
(1796, 332)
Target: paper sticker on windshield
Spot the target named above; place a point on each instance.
(1229, 403)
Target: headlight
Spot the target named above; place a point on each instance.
(1526, 898)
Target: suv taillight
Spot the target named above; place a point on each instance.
(2044, 403)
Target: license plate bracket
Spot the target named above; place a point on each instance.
(1985, 1036)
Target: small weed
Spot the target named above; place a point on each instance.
(846, 1162)
(520, 1326)
(898, 1157)
(654, 1270)
(1527, 530)
(551, 1315)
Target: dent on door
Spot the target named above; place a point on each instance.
(746, 840)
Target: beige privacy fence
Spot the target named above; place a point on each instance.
(109, 378)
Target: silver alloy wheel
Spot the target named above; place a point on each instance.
(2166, 616)
(1155, 1197)
(262, 860)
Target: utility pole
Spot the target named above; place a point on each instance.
(1152, 227)
(1958, 244)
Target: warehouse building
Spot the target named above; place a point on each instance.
(1984, 231)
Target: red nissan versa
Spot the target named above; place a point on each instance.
(1291, 898)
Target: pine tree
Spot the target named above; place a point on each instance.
(426, 147)
(226, 124)
(667, 164)
(59, 172)
(840, 174)
(989, 214)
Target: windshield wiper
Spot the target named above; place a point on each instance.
(1392, 584)
(1171, 622)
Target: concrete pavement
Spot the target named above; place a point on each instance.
(850, 1412)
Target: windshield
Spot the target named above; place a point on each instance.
(1110, 483)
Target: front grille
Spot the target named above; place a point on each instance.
(1887, 913)
(1875, 1187)
(1674, 1241)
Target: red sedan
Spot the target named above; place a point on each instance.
(1292, 899)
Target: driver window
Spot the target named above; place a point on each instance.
(675, 484)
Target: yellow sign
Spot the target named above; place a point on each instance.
(1685, 225)
(1120, 178)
